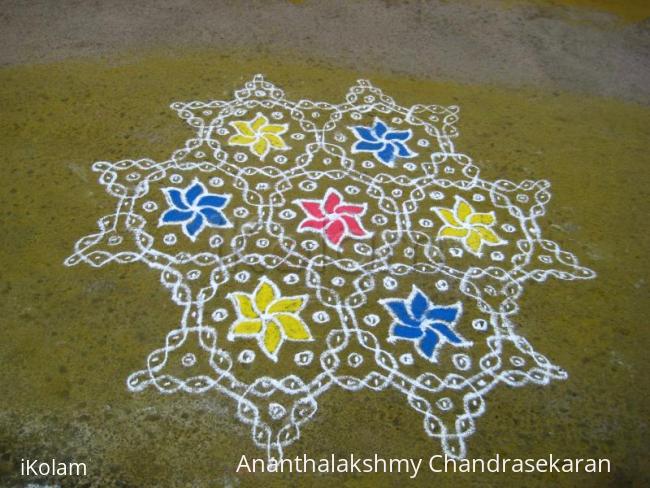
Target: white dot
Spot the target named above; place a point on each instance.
(246, 356)
(215, 241)
(216, 181)
(303, 358)
(320, 317)
(309, 245)
(219, 314)
(188, 360)
(379, 219)
(462, 361)
(480, 324)
(338, 281)
(390, 283)
(291, 279)
(445, 404)
(242, 276)
(241, 212)
(287, 214)
(497, 256)
(308, 185)
(150, 206)
(406, 359)
(355, 359)
(371, 320)
(193, 274)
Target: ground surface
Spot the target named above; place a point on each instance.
(556, 91)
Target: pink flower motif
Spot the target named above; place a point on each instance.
(334, 218)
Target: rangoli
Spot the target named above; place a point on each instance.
(313, 246)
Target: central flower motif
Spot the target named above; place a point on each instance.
(472, 228)
(259, 135)
(334, 218)
(269, 317)
(194, 208)
(385, 143)
(429, 325)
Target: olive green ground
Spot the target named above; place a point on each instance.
(70, 336)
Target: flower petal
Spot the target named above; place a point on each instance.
(173, 216)
(398, 135)
(350, 209)
(210, 200)
(246, 327)
(272, 338)
(264, 295)
(313, 224)
(419, 304)
(397, 308)
(335, 232)
(364, 133)
(446, 332)
(445, 314)
(488, 235)
(194, 226)
(405, 331)
(386, 155)
(243, 304)
(332, 199)
(354, 226)
(448, 231)
(239, 140)
(276, 141)
(243, 127)
(287, 304)
(312, 208)
(214, 217)
(428, 343)
(402, 150)
(194, 191)
(365, 146)
(474, 241)
(482, 218)
(261, 147)
(447, 216)
(274, 129)
(379, 128)
(259, 122)
(294, 328)
(462, 209)
(175, 198)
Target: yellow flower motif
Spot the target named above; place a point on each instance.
(259, 135)
(472, 228)
(269, 317)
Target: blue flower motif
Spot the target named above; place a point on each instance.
(384, 143)
(419, 320)
(194, 209)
